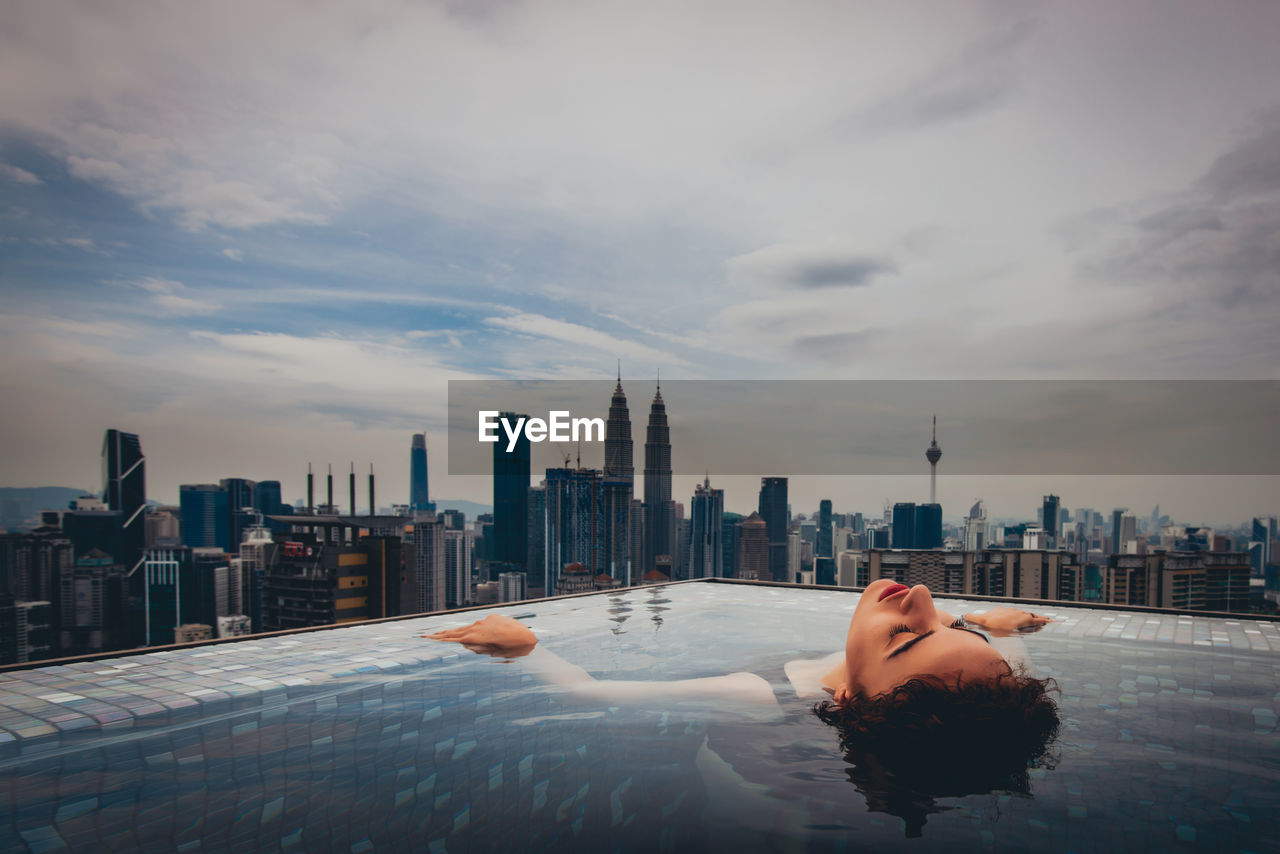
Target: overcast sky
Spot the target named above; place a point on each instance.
(262, 234)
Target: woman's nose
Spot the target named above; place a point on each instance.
(918, 600)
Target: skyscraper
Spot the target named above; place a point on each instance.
(458, 548)
(753, 549)
(659, 510)
(419, 498)
(927, 533)
(773, 510)
(824, 529)
(904, 525)
(428, 562)
(124, 488)
(205, 516)
(575, 523)
(706, 545)
(619, 489)
(239, 500)
(618, 446)
(511, 499)
(975, 527)
(1052, 521)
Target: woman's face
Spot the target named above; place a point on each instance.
(896, 634)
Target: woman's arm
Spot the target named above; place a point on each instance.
(502, 637)
(1004, 621)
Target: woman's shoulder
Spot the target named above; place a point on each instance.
(807, 675)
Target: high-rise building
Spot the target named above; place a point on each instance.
(268, 501)
(536, 564)
(618, 447)
(419, 497)
(1128, 533)
(1117, 541)
(638, 543)
(458, 546)
(772, 508)
(1260, 557)
(93, 605)
(428, 562)
(904, 525)
(706, 540)
(124, 488)
(240, 507)
(754, 549)
(1051, 511)
(927, 530)
(206, 512)
(824, 548)
(164, 570)
(26, 630)
(659, 509)
(619, 488)
(975, 527)
(511, 499)
(575, 523)
(615, 536)
(730, 526)
(511, 586)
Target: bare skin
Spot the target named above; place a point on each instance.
(895, 634)
(500, 636)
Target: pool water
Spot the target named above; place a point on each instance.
(369, 737)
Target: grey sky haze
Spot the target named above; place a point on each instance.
(262, 234)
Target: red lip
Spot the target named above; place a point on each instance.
(892, 590)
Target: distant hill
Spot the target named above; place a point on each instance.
(471, 508)
(20, 505)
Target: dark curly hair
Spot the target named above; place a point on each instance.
(927, 739)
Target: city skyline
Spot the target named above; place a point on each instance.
(259, 252)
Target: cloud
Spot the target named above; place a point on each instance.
(167, 297)
(18, 174)
(233, 254)
(983, 77)
(810, 266)
(580, 336)
(1216, 242)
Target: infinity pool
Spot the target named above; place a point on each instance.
(369, 737)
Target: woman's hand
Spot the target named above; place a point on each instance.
(1004, 620)
(497, 635)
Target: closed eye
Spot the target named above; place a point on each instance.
(959, 624)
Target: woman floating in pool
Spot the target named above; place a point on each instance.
(896, 636)
(925, 706)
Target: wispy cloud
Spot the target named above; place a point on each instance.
(983, 77)
(167, 296)
(18, 175)
(577, 336)
(233, 254)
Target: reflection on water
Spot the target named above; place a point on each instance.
(656, 605)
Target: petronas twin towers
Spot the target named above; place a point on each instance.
(657, 510)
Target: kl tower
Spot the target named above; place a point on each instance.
(933, 455)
